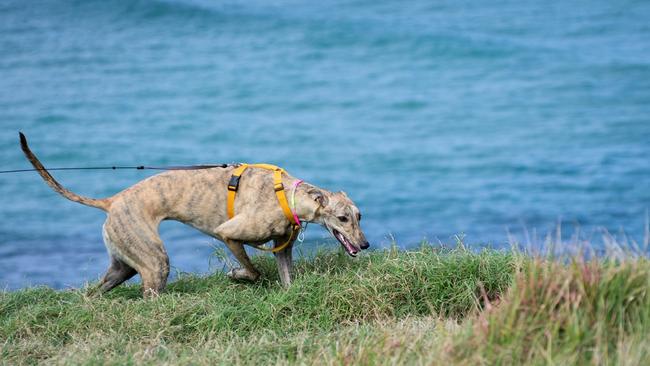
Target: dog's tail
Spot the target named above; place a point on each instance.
(103, 204)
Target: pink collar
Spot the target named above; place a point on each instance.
(294, 186)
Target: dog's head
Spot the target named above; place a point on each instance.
(341, 217)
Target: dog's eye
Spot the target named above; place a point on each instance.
(359, 217)
(343, 219)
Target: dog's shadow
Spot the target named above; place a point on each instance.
(192, 284)
(197, 285)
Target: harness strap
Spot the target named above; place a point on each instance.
(283, 245)
(282, 197)
(278, 187)
(233, 186)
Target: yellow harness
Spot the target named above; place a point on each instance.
(278, 187)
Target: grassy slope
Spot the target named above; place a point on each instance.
(384, 308)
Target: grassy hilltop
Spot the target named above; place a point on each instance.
(428, 306)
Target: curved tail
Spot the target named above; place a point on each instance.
(103, 204)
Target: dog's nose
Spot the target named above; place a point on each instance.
(365, 245)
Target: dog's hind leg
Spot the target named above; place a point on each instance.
(154, 281)
(137, 244)
(117, 273)
(153, 265)
(284, 262)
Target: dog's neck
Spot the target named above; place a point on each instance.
(306, 208)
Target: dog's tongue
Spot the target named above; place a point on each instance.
(346, 244)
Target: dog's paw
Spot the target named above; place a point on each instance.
(150, 294)
(242, 274)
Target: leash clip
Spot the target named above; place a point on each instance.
(301, 233)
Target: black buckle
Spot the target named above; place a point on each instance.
(233, 184)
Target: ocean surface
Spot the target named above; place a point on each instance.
(445, 118)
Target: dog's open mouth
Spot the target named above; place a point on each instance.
(349, 247)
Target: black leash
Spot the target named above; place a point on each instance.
(139, 167)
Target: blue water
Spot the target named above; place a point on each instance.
(437, 118)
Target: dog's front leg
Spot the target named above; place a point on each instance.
(247, 271)
(284, 262)
(227, 232)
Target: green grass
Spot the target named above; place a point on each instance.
(427, 306)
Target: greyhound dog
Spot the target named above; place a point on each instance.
(198, 198)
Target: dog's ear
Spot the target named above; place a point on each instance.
(319, 197)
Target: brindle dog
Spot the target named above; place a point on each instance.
(198, 198)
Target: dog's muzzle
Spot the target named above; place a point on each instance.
(350, 248)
